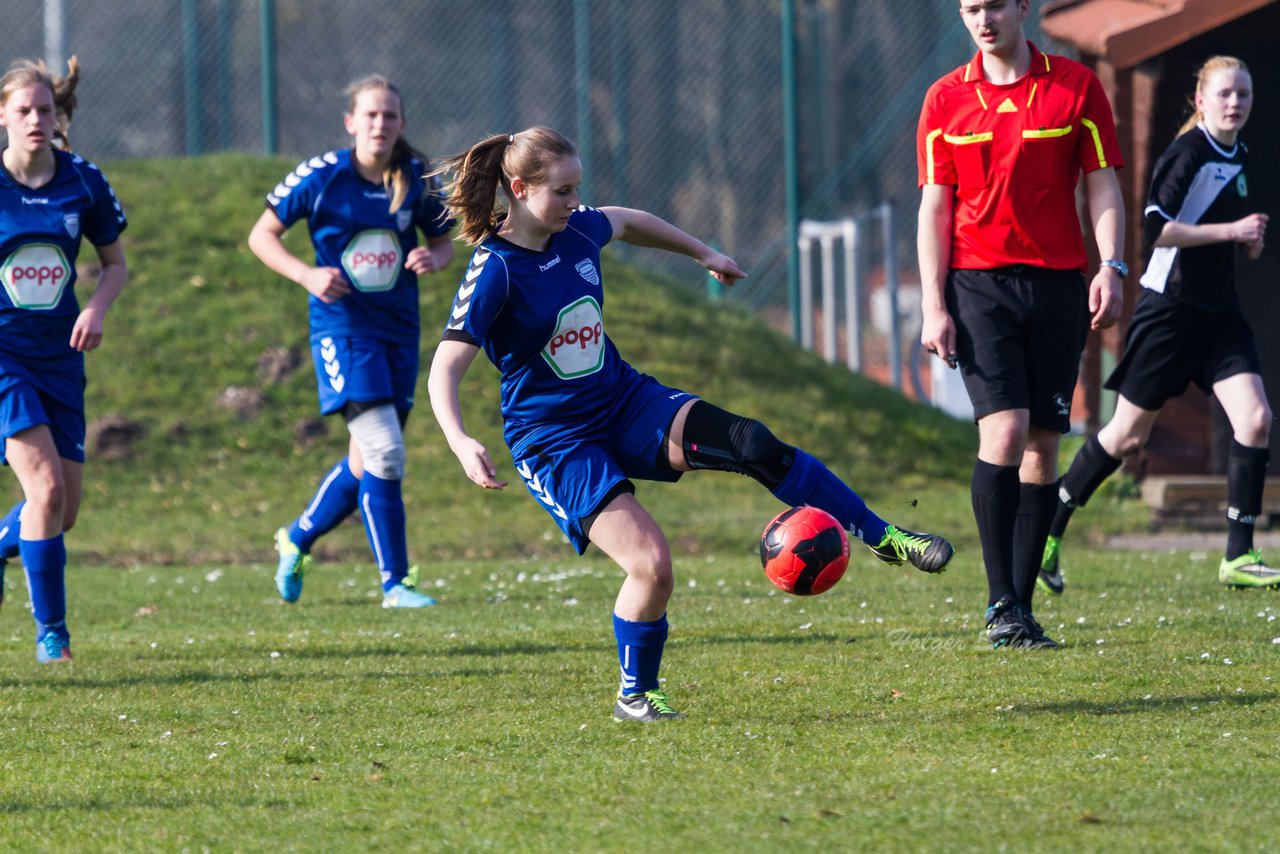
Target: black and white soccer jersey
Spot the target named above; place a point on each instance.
(1196, 181)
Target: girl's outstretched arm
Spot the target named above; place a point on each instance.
(640, 228)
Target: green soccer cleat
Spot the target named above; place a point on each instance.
(926, 552)
(292, 567)
(1248, 570)
(1050, 579)
(646, 706)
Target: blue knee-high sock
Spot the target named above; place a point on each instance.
(46, 563)
(10, 526)
(640, 646)
(335, 500)
(383, 509)
(809, 481)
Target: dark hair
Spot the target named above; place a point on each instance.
(397, 175)
(25, 72)
(478, 171)
(1212, 64)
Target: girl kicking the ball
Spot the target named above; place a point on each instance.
(580, 422)
(364, 207)
(49, 198)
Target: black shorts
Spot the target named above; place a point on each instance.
(1169, 345)
(1019, 335)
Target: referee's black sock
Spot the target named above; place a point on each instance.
(1089, 469)
(1036, 504)
(995, 509)
(1246, 476)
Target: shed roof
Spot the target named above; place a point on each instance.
(1128, 32)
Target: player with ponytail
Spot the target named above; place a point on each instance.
(580, 422)
(364, 207)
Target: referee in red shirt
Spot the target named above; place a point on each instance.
(1001, 145)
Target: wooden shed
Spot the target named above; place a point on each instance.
(1146, 53)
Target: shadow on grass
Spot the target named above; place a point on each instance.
(1155, 703)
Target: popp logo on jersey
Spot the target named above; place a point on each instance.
(577, 347)
(373, 260)
(35, 276)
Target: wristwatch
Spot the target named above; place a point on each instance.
(1119, 266)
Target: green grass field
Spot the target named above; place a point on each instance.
(203, 714)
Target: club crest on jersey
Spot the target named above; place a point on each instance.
(404, 218)
(588, 271)
(577, 347)
(1242, 186)
(35, 276)
(71, 222)
(372, 260)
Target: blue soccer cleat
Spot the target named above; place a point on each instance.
(53, 648)
(406, 595)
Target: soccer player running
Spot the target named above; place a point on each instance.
(363, 207)
(580, 422)
(1002, 142)
(49, 198)
(1188, 326)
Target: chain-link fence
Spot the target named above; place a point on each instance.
(677, 105)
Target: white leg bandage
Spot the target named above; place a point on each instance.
(377, 432)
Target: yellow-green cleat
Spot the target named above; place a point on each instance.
(292, 567)
(1050, 579)
(1248, 570)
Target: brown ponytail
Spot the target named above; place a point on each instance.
(25, 72)
(398, 174)
(1212, 64)
(494, 162)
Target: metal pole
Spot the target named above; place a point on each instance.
(891, 283)
(619, 50)
(828, 245)
(582, 89)
(191, 76)
(267, 60)
(55, 20)
(791, 163)
(852, 297)
(225, 112)
(803, 318)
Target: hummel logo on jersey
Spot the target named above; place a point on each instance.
(587, 270)
(547, 266)
(380, 195)
(1007, 107)
(37, 201)
(462, 302)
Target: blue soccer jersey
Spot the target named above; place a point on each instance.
(354, 231)
(40, 233)
(539, 318)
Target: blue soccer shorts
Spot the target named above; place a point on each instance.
(573, 471)
(364, 370)
(53, 395)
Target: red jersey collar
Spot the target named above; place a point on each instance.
(973, 71)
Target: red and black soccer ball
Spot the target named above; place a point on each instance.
(804, 551)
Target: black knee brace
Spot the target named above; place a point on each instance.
(719, 440)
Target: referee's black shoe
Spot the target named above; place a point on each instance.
(1011, 624)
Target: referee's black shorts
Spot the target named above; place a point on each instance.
(1019, 335)
(1169, 345)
